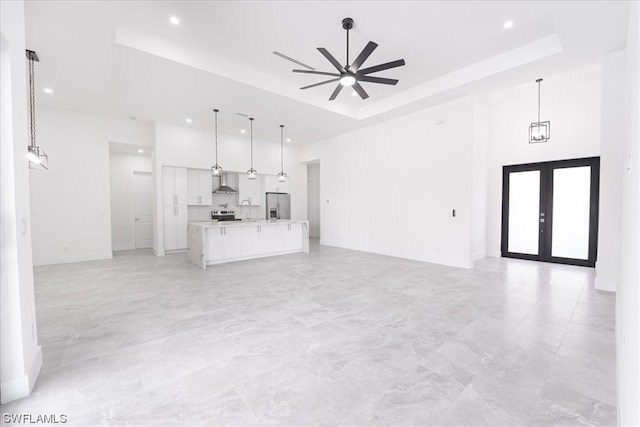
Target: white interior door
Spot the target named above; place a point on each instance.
(142, 209)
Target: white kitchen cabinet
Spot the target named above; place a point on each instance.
(272, 185)
(250, 244)
(175, 227)
(174, 185)
(251, 189)
(224, 243)
(199, 187)
(280, 237)
(266, 239)
(294, 237)
(214, 244)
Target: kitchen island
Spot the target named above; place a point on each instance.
(213, 242)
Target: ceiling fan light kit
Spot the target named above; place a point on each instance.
(351, 74)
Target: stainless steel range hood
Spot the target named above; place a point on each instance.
(224, 188)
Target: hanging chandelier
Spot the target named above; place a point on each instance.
(282, 177)
(539, 131)
(216, 169)
(252, 173)
(38, 159)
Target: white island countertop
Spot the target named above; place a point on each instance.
(214, 242)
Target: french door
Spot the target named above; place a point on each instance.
(550, 211)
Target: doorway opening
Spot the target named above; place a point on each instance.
(550, 211)
(313, 198)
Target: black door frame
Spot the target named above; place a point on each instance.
(546, 210)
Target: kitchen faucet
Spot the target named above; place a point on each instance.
(248, 216)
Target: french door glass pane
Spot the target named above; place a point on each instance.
(571, 199)
(524, 211)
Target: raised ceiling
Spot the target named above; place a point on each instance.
(125, 58)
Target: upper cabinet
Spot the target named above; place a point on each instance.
(251, 189)
(199, 187)
(174, 185)
(272, 185)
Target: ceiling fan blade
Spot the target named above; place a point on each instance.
(381, 67)
(382, 80)
(366, 52)
(321, 83)
(336, 92)
(356, 86)
(331, 59)
(322, 73)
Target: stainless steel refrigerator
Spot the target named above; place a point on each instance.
(278, 206)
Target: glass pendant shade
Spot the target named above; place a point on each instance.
(282, 177)
(539, 131)
(38, 159)
(252, 173)
(216, 170)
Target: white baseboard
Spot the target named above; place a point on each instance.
(604, 285)
(72, 258)
(20, 387)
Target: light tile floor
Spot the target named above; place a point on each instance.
(336, 337)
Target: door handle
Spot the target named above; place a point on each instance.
(541, 219)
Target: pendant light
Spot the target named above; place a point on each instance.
(38, 159)
(216, 170)
(282, 177)
(252, 173)
(539, 131)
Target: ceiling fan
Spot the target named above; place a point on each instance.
(352, 75)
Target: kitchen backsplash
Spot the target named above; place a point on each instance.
(203, 213)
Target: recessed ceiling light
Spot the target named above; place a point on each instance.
(140, 151)
(507, 25)
(288, 139)
(174, 20)
(242, 131)
(48, 90)
(188, 120)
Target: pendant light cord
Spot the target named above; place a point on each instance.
(32, 102)
(216, 129)
(251, 121)
(281, 148)
(539, 80)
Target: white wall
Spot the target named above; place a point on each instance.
(628, 293)
(20, 354)
(411, 166)
(611, 153)
(480, 171)
(186, 146)
(571, 101)
(122, 166)
(313, 199)
(71, 201)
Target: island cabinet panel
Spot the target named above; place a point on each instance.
(281, 238)
(265, 239)
(232, 242)
(214, 244)
(294, 237)
(250, 240)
